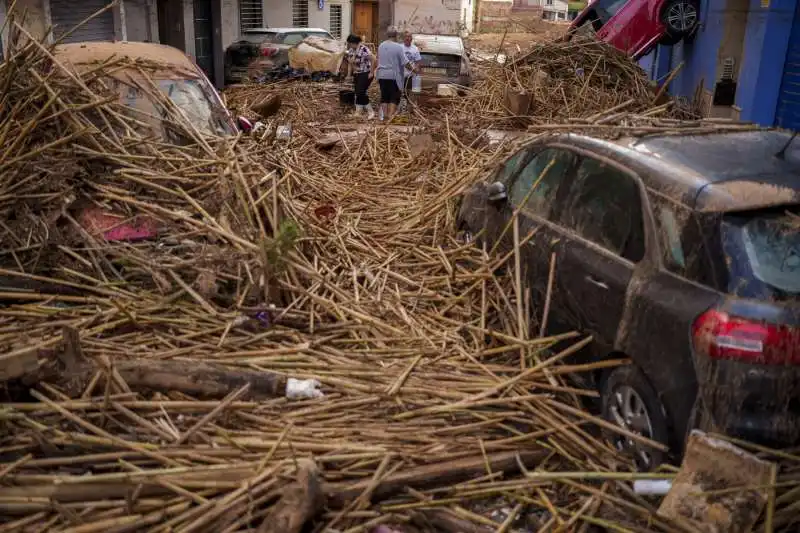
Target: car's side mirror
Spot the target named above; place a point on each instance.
(497, 193)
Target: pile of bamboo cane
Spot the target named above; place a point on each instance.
(307, 259)
(554, 85)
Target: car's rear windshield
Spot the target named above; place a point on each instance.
(259, 37)
(319, 34)
(291, 38)
(764, 248)
(427, 59)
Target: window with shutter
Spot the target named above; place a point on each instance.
(251, 14)
(300, 13)
(336, 20)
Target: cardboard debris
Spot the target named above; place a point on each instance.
(317, 54)
(704, 493)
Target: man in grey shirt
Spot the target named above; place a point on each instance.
(390, 71)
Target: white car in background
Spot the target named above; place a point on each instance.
(262, 50)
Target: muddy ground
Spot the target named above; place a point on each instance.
(510, 43)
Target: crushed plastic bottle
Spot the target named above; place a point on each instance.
(303, 389)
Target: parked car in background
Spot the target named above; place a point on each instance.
(681, 253)
(636, 26)
(261, 50)
(444, 61)
(179, 79)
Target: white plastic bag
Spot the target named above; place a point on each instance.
(303, 389)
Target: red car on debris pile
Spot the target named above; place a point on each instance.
(636, 26)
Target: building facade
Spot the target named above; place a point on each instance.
(555, 10)
(336, 16)
(452, 17)
(369, 17)
(201, 28)
(742, 63)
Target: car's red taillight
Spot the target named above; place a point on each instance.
(721, 336)
(269, 52)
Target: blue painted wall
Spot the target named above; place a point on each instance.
(648, 65)
(765, 43)
(764, 53)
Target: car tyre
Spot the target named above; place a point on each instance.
(629, 401)
(681, 18)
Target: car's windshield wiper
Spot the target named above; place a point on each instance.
(782, 153)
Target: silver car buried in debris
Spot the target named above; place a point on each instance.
(444, 61)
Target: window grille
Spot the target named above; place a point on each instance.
(300, 13)
(336, 20)
(251, 14)
(727, 68)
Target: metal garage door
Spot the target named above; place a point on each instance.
(787, 115)
(66, 14)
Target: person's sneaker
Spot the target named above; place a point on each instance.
(370, 113)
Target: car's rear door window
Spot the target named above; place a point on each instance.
(611, 8)
(685, 241)
(670, 232)
(510, 166)
(536, 186)
(605, 207)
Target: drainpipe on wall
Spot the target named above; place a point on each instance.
(3, 30)
(148, 13)
(120, 27)
(48, 20)
(385, 17)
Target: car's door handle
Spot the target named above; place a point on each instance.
(597, 283)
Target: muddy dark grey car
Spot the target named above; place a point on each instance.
(681, 253)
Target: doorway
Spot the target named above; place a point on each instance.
(365, 20)
(170, 24)
(204, 37)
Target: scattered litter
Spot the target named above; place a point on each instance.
(303, 389)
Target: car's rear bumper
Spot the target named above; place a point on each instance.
(758, 403)
(239, 73)
(432, 82)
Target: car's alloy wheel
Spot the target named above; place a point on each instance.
(629, 412)
(681, 17)
(630, 403)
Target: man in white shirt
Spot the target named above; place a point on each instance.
(414, 58)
